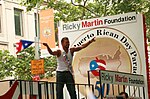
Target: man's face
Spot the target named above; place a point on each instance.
(65, 43)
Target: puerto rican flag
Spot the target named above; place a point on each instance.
(22, 45)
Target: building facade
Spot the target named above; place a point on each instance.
(15, 24)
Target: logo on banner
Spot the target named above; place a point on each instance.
(113, 50)
(112, 47)
(96, 65)
(47, 32)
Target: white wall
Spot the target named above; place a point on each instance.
(8, 36)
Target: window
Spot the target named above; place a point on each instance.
(0, 18)
(18, 22)
(3, 46)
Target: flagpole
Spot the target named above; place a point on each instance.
(37, 49)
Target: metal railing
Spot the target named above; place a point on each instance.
(44, 89)
(108, 87)
(101, 88)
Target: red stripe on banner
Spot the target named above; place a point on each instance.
(146, 55)
(10, 92)
(19, 97)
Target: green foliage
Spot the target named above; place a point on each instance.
(85, 9)
(73, 11)
(20, 67)
(50, 65)
(7, 63)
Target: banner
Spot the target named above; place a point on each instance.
(47, 31)
(120, 78)
(119, 46)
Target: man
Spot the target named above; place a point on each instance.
(64, 72)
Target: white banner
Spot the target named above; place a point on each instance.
(119, 46)
(120, 78)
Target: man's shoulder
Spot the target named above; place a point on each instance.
(71, 49)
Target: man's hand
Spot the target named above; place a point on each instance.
(75, 49)
(57, 52)
(45, 44)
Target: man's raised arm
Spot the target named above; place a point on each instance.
(57, 52)
(75, 49)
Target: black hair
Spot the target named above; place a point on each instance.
(126, 95)
(64, 38)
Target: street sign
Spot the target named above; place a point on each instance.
(37, 67)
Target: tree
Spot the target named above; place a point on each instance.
(7, 63)
(20, 67)
(86, 9)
